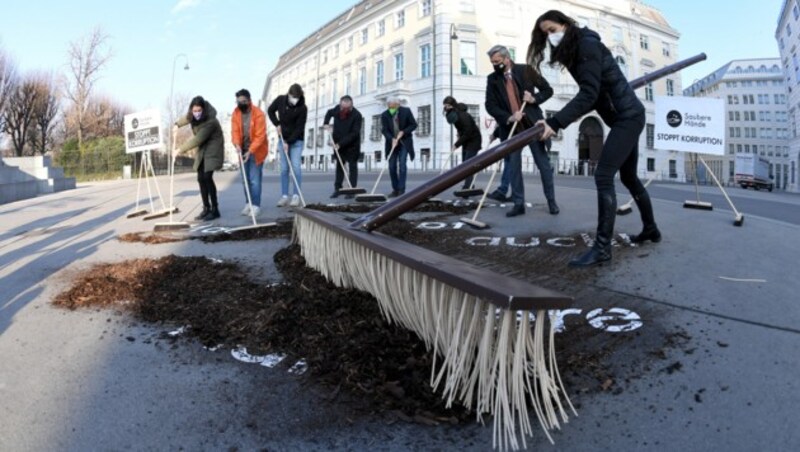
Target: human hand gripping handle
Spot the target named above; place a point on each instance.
(547, 132)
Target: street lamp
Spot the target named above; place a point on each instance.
(172, 83)
(453, 37)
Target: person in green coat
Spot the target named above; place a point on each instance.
(210, 144)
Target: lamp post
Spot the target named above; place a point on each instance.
(172, 83)
(453, 37)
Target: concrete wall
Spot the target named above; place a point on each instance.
(27, 177)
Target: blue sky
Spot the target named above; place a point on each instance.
(234, 43)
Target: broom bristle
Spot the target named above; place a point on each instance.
(496, 365)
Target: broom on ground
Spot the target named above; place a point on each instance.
(171, 225)
(246, 182)
(492, 355)
(471, 191)
(372, 196)
(473, 221)
(350, 190)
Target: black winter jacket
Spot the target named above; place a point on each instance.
(498, 106)
(346, 132)
(291, 119)
(602, 86)
(469, 135)
(407, 125)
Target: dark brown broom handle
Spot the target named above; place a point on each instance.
(438, 184)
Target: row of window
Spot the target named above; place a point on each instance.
(763, 133)
(752, 83)
(767, 116)
(763, 99)
(673, 166)
(763, 150)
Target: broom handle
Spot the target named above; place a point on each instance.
(714, 176)
(385, 164)
(247, 187)
(172, 176)
(291, 170)
(646, 184)
(422, 193)
(494, 173)
(694, 176)
(341, 164)
(139, 182)
(472, 186)
(449, 160)
(147, 165)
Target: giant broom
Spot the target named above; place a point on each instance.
(492, 352)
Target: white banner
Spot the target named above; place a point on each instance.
(690, 124)
(143, 131)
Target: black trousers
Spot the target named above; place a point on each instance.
(621, 153)
(208, 189)
(468, 151)
(351, 161)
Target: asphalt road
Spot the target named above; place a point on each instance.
(717, 300)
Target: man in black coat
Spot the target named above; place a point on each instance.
(469, 134)
(397, 127)
(346, 135)
(506, 88)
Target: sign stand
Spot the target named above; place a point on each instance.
(171, 225)
(137, 212)
(164, 211)
(699, 205)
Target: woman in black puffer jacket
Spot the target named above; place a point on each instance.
(469, 135)
(604, 89)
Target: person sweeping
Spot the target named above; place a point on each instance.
(288, 113)
(346, 134)
(469, 135)
(604, 89)
(210, 144)
(249, 137)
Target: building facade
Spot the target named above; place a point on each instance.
(788, 37)
(425, 50)
(756, 116)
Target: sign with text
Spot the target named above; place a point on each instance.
(143, 131)
(690, 124)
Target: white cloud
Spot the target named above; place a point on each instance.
(183, 5)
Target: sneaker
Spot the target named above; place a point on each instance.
(497, 196)
(335, 194)
(246, 210)
(394, 194)
(256, 211)
(283, 201)
(295, 201)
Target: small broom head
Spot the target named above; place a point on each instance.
(698, 205)
(173, 226)
(352, 191)
(474, 223)
(138, 213)
(469, 192)
(371, 198)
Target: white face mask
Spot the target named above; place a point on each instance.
(555, 38)
(293, 100)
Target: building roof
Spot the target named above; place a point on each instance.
(735, 67)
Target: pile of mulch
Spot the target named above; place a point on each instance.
(341, 333)
(148, 238)
(282, 230)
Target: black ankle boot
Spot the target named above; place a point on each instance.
(203, 213)
(601, 250)
(213, 214)
(650, 231)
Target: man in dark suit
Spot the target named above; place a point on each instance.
(346, 134)
(506, 89)
(397, 126)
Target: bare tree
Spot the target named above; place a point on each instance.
(45, 110)
(8, 77)
(18, 113)
(177, 107)
(87, 56)
(105, 117)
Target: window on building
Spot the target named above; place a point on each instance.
(362, 81)
(364, 36)
(399, 66)
(665, 49)
(644, 42)
(320, 137)
(424, 120)
(670, 87)
(347, 80)
(617, 33)
(375, 132)
(746, 148)
(400, 19)
(467, 52)
(336, 50)
(746, 99)
(796, 11)
(648, 92)
(310, 139)
(379, 74)
(731, 149)
(651, 164)
(426, 7)
(673, 169)
(381, 28)
(738, 148)
(467, 6)
(334, 90)
(651, 136)
(512, 53)
(324, 56)
(475, 112)
(349, 43)
(623, 66)
(425, 61)
(730, 116)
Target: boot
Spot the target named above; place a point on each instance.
(551, 204)
(601, 250)
(213, 214)
(203, 213)
(650, 230)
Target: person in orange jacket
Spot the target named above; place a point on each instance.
(249, 136)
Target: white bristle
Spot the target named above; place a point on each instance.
(496, 365)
